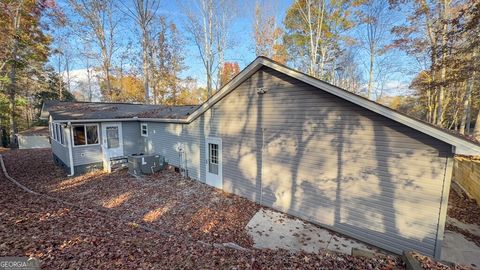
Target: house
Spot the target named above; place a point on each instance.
(290, 142)
(35, 137)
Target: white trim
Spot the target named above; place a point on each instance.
(70, 150)
(218, 141)
(107, 152)
(161, 120)
(141, 129)
(85, 131)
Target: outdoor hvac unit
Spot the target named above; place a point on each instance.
(145, 164)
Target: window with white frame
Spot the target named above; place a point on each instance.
(57, 133)
(85, 134)
(144, 129)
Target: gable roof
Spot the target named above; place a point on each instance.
(66, 110)
(460, 144)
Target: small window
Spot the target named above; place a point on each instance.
(85, 135)
(92, 135)
(213, 158)
(112, 137)
(144, 130)
(57, 133)
(62, 137)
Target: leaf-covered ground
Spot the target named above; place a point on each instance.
(188, 218)
(464, 209)
(163, 201)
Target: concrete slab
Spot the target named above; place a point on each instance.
(458, 249)
(275, 230)
(472, 228)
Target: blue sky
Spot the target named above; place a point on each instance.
(242, 52)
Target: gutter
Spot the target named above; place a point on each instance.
(70, 150)
(162, 120)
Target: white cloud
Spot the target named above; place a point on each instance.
(79, 82)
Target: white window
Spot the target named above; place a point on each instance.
(85, 134)
(144, 130)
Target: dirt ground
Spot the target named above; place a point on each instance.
(190, 220)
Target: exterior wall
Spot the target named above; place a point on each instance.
(82, 155)
(31, 142)
(313, 155)
(61, 152)
(166, 139)
(88, 154)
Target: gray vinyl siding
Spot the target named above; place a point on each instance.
(163, 138)
(166, 138)
(60, 151)
(87, 154)
(313, 155)
(132, 141)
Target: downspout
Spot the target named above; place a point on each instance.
(70, 150)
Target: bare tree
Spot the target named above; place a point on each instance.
(208, 23)
(376, 25)
(65, 59)
(314, 34)
(143, 13)
(348, 75)
(467, 99)
(266, 33)
(444, 19)
(313, 15)
(476, 130)
(100, 27)
(87, 55)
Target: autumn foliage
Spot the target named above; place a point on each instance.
(228, 71)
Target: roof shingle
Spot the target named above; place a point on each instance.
(66, 110)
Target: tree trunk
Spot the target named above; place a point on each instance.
(443, 71)
(476, 131)
(209, 82)
(370, 74)
(11, 95)
(469, 117)
(466, 104)
(89, 81)
(145, 66)
(60, 85)
(106, 69)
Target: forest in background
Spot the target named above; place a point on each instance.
(130, 51)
